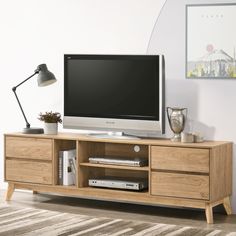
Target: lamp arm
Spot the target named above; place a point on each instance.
(15, 87)
(14, 91)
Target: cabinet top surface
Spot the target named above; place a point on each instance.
(141, 141)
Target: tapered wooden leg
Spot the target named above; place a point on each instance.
(209, 214)
(35, 192)
(10, 191)
(227, 206)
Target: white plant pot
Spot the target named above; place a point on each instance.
(50, 128)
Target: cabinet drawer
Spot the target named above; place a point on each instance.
(29, 148)
(180, 159)
(29, 171)
(180, 185)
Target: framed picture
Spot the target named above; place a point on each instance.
(211, 41)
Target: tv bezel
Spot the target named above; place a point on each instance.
(145, 128)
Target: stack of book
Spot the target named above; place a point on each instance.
(67, 167)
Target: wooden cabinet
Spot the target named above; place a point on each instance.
(196, 175)
(180, 185)
(180, 172)
(180, 159)
(29, 171)
(28, 159)
(29, 148)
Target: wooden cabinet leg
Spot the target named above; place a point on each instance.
(227, 206)
(10, 191)
(209, 214)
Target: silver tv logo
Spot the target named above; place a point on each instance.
(110, 122)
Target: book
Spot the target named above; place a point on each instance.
(66, 172)
(60, 168)
(73, 168)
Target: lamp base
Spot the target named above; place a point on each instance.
(32, 131)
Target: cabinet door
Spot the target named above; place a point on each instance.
(180, 159)
(180, 185)
(29, 171)
(29, 148)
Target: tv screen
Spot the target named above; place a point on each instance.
(125, 87)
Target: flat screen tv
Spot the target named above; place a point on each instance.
(123, 93)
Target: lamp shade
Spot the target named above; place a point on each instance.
(45, 77)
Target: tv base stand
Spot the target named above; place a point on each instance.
(113, 135)
(195, 175)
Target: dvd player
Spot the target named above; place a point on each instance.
(118, 183)
(125, 161)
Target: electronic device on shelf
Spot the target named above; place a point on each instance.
(119, 183)
(119, 93)
(124, 161)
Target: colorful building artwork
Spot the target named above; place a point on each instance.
(210, 41)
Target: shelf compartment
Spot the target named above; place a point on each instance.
(144, 192)
(92, 149)
(101, 191)
(62, 145)
(108, 166)
(94, 171)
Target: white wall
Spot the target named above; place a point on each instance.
(38, 31)
(211, 103)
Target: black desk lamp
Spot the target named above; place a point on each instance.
(45, 77)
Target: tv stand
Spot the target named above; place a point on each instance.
(113, 135)
(195, 175)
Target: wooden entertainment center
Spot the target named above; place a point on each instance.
(195, 175)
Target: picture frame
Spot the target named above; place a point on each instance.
(211, 41)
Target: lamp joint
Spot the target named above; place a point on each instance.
(37, 70)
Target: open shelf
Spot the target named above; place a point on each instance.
(87, 170)
(139, 168)
(59, 146)
(93, 190)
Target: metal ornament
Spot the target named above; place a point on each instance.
(176, 118)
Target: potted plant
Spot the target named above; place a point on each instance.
(51, 120)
